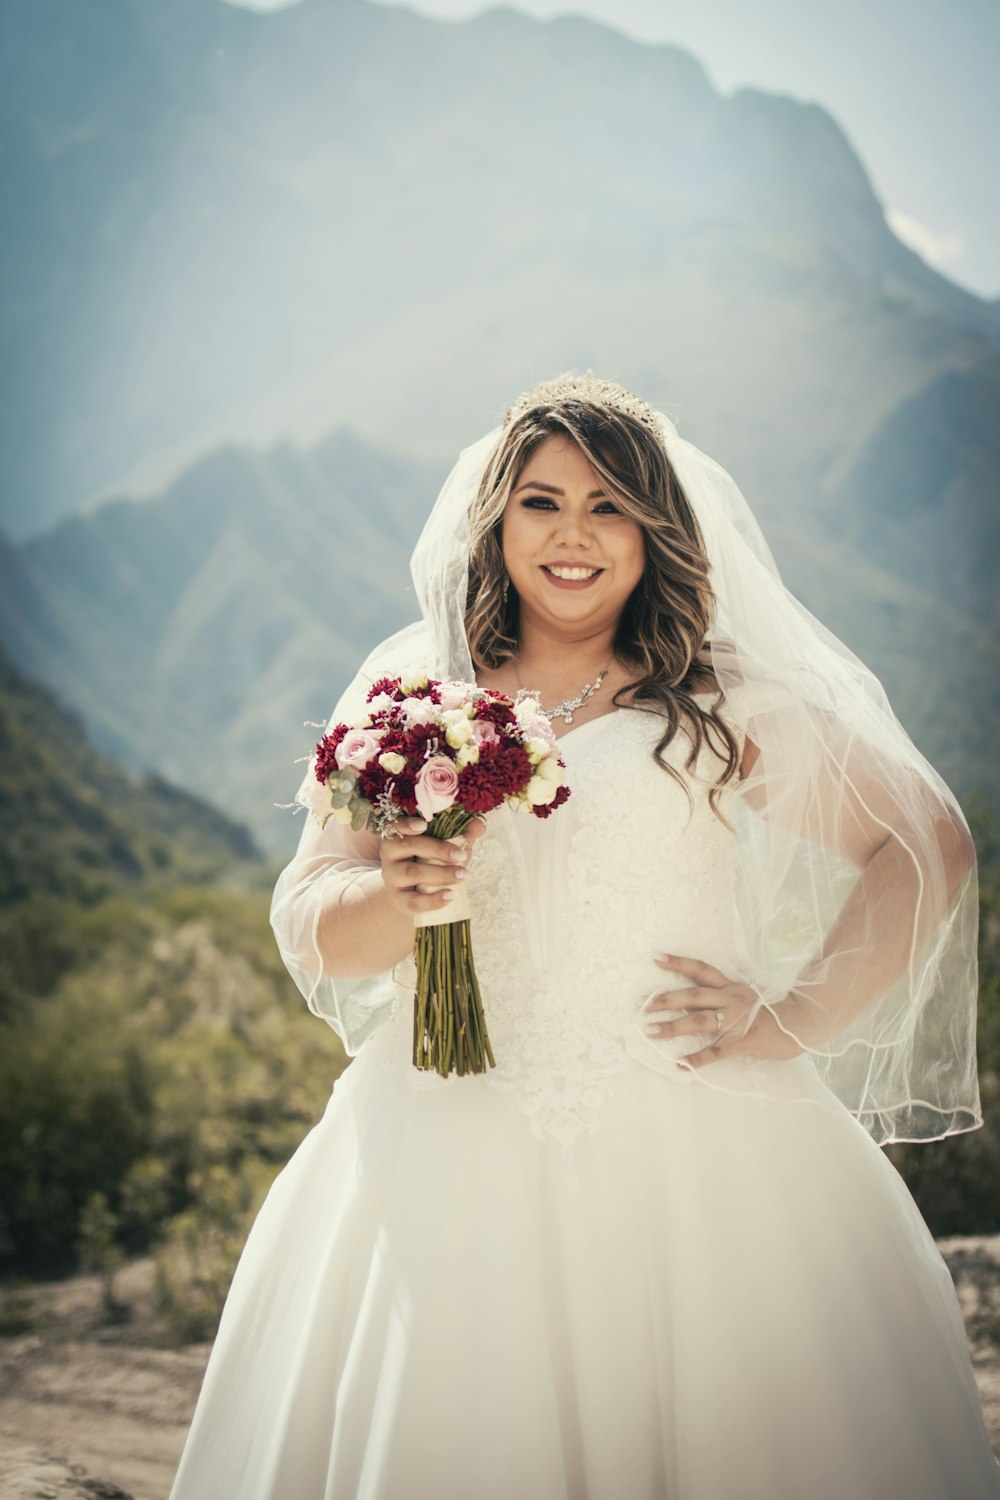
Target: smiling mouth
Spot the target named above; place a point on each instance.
(573, 575)
(574, 584)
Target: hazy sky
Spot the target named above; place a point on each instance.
(912, 82)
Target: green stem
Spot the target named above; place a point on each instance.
(449, 1024)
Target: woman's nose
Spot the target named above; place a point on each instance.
(572, 529)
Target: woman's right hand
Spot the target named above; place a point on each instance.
(418, 869)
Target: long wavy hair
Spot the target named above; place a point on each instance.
(661, 632)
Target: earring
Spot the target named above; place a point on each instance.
(506, 588)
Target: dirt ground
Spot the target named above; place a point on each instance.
(89, 1408)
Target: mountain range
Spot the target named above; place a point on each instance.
(74, 824)
(265, 275)
(226, 226)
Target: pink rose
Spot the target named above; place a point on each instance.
(436, 786)
(314, 795)
(541, 728)
(484, 733)
(357, 748)
(453, 694)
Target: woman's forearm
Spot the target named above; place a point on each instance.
(359, 932)
(883, 926)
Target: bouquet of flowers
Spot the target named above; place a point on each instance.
(444, 752)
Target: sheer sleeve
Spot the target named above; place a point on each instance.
(328, 862)
(858, 904)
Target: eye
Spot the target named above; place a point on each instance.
(606, 507)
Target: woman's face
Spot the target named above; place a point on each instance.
(554, 519)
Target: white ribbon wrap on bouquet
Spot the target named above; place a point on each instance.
(458, 909)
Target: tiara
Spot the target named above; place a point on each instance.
(583, 388)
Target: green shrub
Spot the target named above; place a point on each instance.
(197, 1258)
(175, 1044)
(98, 1248)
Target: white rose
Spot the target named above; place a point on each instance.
(392, 761)
(537, 749)
(411, 681)
(458, 730)
(550, 769)
(526, 710)
(419, 711)
(541, 791)
(467, 755)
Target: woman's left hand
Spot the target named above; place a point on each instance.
(712, 991)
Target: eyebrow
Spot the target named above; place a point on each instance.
(536, 484)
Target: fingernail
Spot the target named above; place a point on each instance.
(458, 839)
(665, 958)
(419, 825)
(447, 895)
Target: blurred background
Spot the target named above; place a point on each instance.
(265, 270)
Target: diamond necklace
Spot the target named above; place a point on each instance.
(567, 707)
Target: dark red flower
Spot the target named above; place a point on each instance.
(511, 764)
(326, 752)
(394, 740)
(478, 790)
(402, 792)
(431, 690)
(383, 717)
(542, 810)
(372, 781)
(388, 685)
(421, 740)
(499, 714)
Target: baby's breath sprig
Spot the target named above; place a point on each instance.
(385, 812)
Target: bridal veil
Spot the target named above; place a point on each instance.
(857, 882)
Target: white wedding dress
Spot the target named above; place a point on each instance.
(588, 1274)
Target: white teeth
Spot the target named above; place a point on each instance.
(574, 572)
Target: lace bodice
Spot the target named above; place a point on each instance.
(569, 911)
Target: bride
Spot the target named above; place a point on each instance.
(655, 1252)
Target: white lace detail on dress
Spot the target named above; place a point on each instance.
(564, 1024)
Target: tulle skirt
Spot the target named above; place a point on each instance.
(727, 1299)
